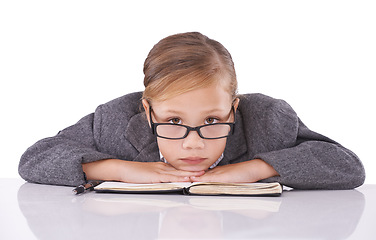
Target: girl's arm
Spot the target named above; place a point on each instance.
(303, 158)
(62, 159)
(315, 162)
(57, 160)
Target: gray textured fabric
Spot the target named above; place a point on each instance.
(266, 128)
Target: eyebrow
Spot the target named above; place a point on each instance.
(172, 111)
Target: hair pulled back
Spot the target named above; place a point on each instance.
(184, 62)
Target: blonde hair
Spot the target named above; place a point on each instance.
(184, 62)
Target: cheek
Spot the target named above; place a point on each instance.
(169, 148)
(216, 147)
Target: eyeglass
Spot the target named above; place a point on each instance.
(178, 131)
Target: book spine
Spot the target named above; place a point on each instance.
(186, 191)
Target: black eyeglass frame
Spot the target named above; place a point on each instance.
(189, 129)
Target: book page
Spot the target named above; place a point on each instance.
(247, 185)
(236, 188)
(121, 186)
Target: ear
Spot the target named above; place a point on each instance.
(236, 103)
(146, 106)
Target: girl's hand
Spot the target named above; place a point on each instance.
(249, 171)
(136, 172)
(155, 172)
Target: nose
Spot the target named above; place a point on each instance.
(193, 141)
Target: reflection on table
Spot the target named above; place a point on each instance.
(53, 212)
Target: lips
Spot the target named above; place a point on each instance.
(193, 160)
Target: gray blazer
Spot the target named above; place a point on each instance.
(266, 128)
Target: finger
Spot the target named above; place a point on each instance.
(211, 176)
(171, 170)
(203, 178)
(182, 173)
(179, 176)
(196, 174)
(171, 178)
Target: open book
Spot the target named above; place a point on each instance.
(199, 188)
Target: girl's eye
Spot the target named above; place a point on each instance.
(211, 121)
(175, 121)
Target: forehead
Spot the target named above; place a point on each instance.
(211, 98)
(175, 85)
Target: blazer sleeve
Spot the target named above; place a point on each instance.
(312, 161)
(57, 160)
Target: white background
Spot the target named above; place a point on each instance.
(60, 59)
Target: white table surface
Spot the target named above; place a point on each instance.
(33, 211)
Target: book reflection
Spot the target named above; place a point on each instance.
(188, 216)
(52, 211)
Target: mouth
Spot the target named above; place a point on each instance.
(193, 160)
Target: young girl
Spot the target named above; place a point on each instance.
(194, 127)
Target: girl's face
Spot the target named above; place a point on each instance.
(195, 108)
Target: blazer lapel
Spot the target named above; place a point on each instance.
(236, 147)
(139, 135)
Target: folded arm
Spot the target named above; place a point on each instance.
(316, 162)
(57, 160)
